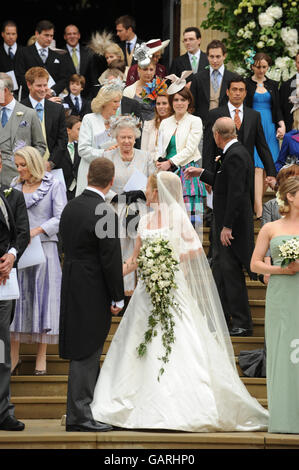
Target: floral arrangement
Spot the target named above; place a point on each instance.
(150, 92)
(279, 201)
(289, 251)
(157, 266)
(257, 25)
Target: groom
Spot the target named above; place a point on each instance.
(92, 289)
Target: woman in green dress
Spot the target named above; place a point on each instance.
(282, 312)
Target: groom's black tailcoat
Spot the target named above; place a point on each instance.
(91, 278)
(232, 206)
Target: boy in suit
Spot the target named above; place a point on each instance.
(71, 165)
(77, 104)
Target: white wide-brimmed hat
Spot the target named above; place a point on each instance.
(177, 83)
(156, 45)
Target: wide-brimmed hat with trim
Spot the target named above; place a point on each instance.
(177, 83)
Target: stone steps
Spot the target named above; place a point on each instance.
(45, 397)
(49, 434)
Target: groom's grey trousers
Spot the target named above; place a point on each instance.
(83, 376)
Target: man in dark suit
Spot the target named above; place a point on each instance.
(249, 129)
(40, 54)
(234, 233)
(81, 58)
(194, 59)
(209, 86)
(125, 30)
(9, 51)
(52, 116)
(92, 286)
(287, 89)
(14, 237)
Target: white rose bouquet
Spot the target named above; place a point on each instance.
(157, 266)
(289, 251)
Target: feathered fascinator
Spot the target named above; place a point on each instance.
(142, 54)
(100, 41)
(177, 83)
(129, 119)
(152, 90)
(113, 84)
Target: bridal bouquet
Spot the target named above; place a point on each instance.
(157, 266)
(289, 251)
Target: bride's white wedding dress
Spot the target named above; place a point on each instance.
(200, 390)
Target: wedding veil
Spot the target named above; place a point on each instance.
(193, 261)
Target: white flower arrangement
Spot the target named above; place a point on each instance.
(157, 266)
(283, 69)
(289, 36)
(274, 11)
(265, 20)
(289, 251)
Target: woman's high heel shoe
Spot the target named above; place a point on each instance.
(40, 372)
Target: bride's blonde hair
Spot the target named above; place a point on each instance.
(289, 186)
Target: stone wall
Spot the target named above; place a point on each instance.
(193, 12)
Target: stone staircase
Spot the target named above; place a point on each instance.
(42, 400)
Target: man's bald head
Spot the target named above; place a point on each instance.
(226, 128)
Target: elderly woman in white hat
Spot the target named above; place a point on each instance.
(157, 47)
(179, 137)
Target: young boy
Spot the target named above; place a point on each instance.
(78, 105)
(70, 169)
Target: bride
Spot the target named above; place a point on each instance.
(176, 371)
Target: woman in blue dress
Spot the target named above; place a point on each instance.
(263, 96)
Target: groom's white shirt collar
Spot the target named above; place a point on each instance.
(96, 191)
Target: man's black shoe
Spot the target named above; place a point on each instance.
(95, 426)
(240, 332)
(11, 424)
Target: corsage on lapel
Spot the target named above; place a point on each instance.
(7, 192)
(218, 160)
(19, 113)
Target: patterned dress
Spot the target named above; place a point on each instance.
(194, 190)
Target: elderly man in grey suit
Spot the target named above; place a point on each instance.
(17, 123)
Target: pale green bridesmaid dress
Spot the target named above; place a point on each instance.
(282, 342)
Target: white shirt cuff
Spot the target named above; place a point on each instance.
(13, 251)
(119, 304)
